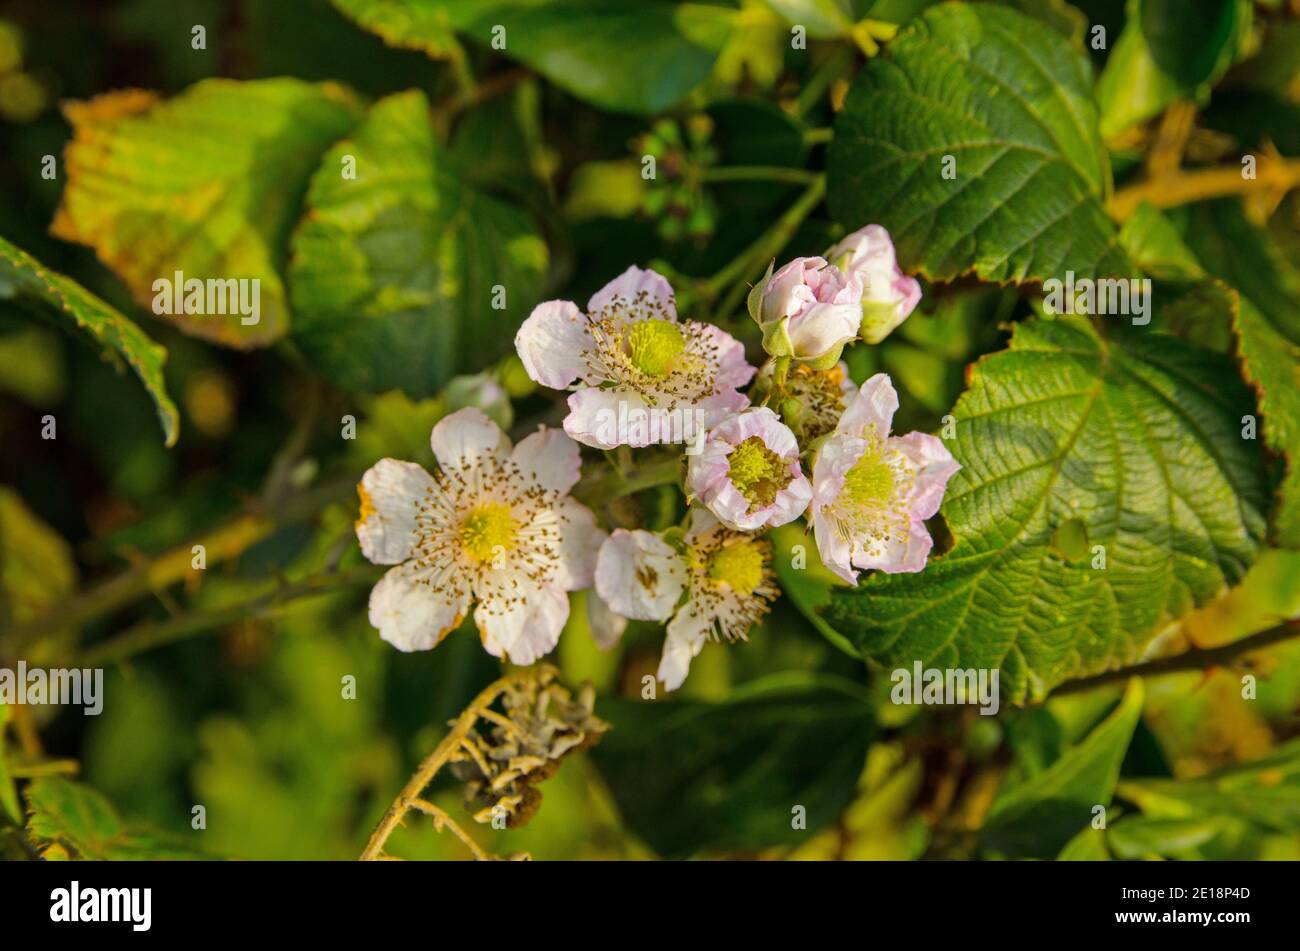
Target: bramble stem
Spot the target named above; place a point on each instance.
(767, 246)
(1196, 659)
(410, 797)
(759, 173)
(148, 635)
(162, 570)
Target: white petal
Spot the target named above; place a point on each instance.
(389, 492)
(414, 616)
(463, 438)
(901, 555)
(763, 423)
(874, 405)
(823, 328)
(714, 409)
(708, 468)
(934, 467)
(639, 575)
(837, 455)
(606, 627)
(552, 343)
(724, 500)
(552, 457)
(526, 629)
(702, 522)
(834, 550)
(687, 633)
(580, 542)
(605, 419)
(733, 369)
(790, 502)
(658, 300)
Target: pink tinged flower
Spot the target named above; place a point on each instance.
(872, 492)
(888, 295)
(808, 310)
(640, 376)
(715, 585)
(495, 530)
(747, 473)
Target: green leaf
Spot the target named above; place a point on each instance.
(1263, 792)
(1154, 245)
(68, 820)
(1137, 839)
(10, 812)
(37, 568)
(689, 776)
(1088, 846)
(395, 272)
(1193, 49)
(207, 184)
(823, 19)
(638, 58)
(1164, 54)
(1267, 324)
(1015, 115)
(1132, 88)
(26, 284)
(1038, 817)
(1138, 437)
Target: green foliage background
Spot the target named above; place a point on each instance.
(521, 167)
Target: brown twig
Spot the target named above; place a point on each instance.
(1197, 659)
(411, 795)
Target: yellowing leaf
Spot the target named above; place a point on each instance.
(207, 184)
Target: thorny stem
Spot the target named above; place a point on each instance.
(410, 796)
(1197, 659)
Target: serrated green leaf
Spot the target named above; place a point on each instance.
(68, 820)
(1137, 436)
(1015, 115)
(1267, 324)
(1038, 817)
(395, 272)
(25, 283)
(689, 776)
(583, 46)
(207, 184)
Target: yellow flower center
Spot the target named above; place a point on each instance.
(653, 346)
(870, 483)
(757, 472)
(488, 531)
(739, 565)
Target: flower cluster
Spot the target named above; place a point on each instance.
(496, 529)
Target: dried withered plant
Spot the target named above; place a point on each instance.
(500, 754)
